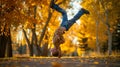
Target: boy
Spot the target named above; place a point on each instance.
(65, 25)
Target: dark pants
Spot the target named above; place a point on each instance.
(65, 22)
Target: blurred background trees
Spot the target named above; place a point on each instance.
(106, 13)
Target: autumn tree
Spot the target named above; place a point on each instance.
(6, 11)
(105, 13)
(40, 11)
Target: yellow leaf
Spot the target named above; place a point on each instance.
(42, 63)
(96, 62)
(81, 61)
(55, 64)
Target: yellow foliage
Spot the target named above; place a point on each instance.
(56, 64)
(97, 14)
(95, 62)
(80, 52)
(28, 25)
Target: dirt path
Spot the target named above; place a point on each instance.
(63, 62)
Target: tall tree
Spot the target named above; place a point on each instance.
(45, 13)
(6, 8)
(107, 14)
(110, 8)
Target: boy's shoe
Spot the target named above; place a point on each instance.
(51, 3)
(85, 11)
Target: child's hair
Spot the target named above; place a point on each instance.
(54, 52)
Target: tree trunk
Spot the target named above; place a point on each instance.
(45, 49)
(38, 50)
(109, 34)
(9, 45)
(109, 42)
(45, 27)
(31, 49)
(35, 42)
(9, 50)
(5, 42)
(34, 36)
(108, 29)
(2, 45)
(97, 24)
(28, 42)
(97, 39)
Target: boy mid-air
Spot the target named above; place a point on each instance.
(65, 25)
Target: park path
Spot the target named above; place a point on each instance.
(62, 62)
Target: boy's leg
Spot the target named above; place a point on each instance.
(59, 9)
(76, 17)
(79, 14)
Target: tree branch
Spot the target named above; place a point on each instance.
(45, 27)
(24, 32)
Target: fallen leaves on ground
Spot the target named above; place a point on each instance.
(96, 62)
(56, 64)
(60, 62)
